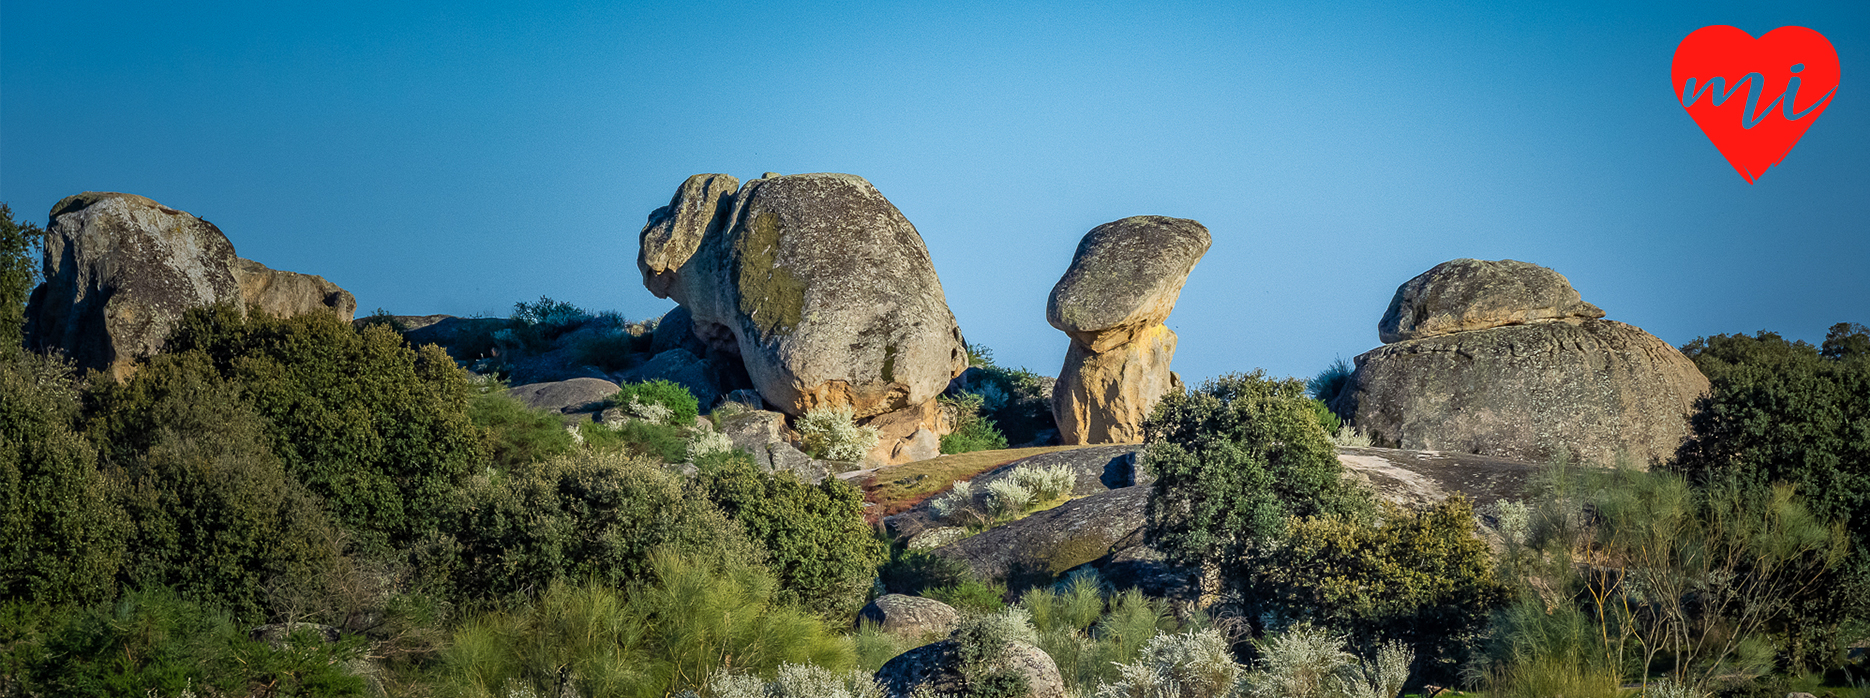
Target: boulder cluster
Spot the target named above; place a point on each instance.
(1506, 359)
(120, 270)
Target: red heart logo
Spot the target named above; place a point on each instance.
(1754, 97)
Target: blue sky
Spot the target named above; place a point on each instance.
(458, 157)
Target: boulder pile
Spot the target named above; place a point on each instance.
(1506, 359)
(819, 287)
(1122, 283)
(120, 270)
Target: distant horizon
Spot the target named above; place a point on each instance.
(456, 159)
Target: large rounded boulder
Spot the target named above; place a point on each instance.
(1121, 285)
(1505, 360)
(818, 283)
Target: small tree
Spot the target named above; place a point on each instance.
(61, 535)
(819, 545)
(19, 271)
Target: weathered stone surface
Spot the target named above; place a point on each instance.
(922, 445)
(1103, 398)
(286, 293)
(1098, 468)
(910, 616)
(698, 209)
(1470, 294)
(896, 434)
(820, 285)
(1058, 539)
(935, 666)
(676, 329)
(1420, 478)
(682, 367)
(120, 270)
(933, 538)
(1124, 278)
(751, 431)
(1122, 283)
(743, 400)
(565, 397)
(1589, 391)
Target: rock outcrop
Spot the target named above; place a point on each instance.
(1122, 283)
(936, 667)
(1098, 469)
(818, 284)
(1504, 359)
(121, 270)
(910, 616)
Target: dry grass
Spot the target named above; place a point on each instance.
(898, 488)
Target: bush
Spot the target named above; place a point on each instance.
(1085, 640)
(972, 432)
(517, 434)
(642, 401)
(213, 514)
(970, 594)
(1421, 577)
(1007, 498)
(707, 443)
(685, 622)
(153, 642)
(815, 535)
(797, 681)
(19, 273)
(585, 516)
(915, 571)
(832, 434)
(378, 431)
(1306, 662)
(1017, 401)
(1329, 383)
(1046, 483)
(1789, 412)
(665, 443)
(981, 645)
(1233, 462)
(1195, 664)
(61, 534)
(1326, 418)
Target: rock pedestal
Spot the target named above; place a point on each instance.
(1122, 283)
(1504, 359)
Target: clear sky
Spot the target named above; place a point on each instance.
(458, 157)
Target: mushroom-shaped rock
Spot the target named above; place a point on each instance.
(818, 283)
(1472, 294)
(936, 668)
(1568, 385)
(1122, 283)
(910, 616)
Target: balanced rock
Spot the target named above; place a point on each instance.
(1122, 283)
(1472, 294)
(936, 669)
(1567, 385)
(120, 271)
(817, 283)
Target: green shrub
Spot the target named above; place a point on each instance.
(1084, 639)
(797, 681)
(1307, 662)
(1233, 461)
(684, 623)
(875, 647)
(19, 273)
(981, 653)
(815, 536)
(1196, 664)
(546, 311)
(1421, 577)
(156, 643)
(380, 432)
(668, 395)
(665, 443)
(970, 594)
(1330, 382)
(972, 432)
(915, 571)
(610, 349)
(588, 515)
(517, 434)
(61, 533)
(832, 433)
(1789, 412)
(213, 514)
(1327, 419)
(1017, 401)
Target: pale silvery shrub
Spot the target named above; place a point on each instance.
(708, 442)
(1007, 498)
(654, 413)
(957, 504)
(1302, 662)
(1512, 519)
(833, 434)
(1011, 625)
(992, 397)
(1194, 664)
(1349, 437)
(1046, 483)
(1669, 688)
(1383, 678)
(796, 681)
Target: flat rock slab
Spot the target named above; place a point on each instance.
(1099, 469)
(1055, 540)
(1425, 477)
(565, 397)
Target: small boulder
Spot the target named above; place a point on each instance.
(910, 616)
(565, 397)
(1050, 542)
(936, 669)
(1471, 294)
(1122, 283)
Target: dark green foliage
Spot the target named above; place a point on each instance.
(156, 643)
(972, 432)
(61, 535)
(589, 515)
(610, 349)
(1018, 401)
(660, 392)
(546, 311)
(1326, 418)
(815, 537)
(970, 594)
(1233, 462)
(379, 431)
(384, 318)
(1326, 386)
(1789, 412)
(516, 433)
(981, 646)
(665, 443)
(914, 571)
(19, 272)
(1421, 577)
(213, 514)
